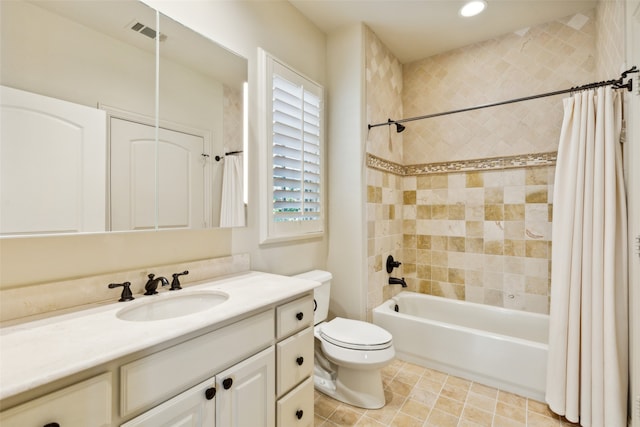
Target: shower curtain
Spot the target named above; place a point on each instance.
(587, 372)
(232, 205)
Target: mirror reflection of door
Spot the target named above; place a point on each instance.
(52, 165)
(181, 178)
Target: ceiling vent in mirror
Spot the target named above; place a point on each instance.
(139, 27)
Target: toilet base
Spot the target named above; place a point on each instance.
(354, 387)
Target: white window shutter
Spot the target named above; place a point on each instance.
(295, 138)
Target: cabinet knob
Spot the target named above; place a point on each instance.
(227, 383)
(51, 425)
(299, 414)
(300, 315)
(300, 360)
(210, 393)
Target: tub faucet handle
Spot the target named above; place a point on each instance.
(391, 264)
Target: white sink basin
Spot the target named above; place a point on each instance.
(172, 306)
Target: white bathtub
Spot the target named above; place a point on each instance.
(498, 347)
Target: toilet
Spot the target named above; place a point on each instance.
(349, 354)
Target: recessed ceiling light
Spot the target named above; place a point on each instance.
(472, 8)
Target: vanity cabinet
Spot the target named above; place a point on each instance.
(87, 403)
(253, 371)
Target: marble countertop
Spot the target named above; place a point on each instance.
(36, 353)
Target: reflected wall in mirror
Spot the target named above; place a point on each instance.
(78, 88)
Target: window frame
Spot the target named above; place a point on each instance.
(270, 230)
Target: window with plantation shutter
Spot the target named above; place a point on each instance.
(295, 147)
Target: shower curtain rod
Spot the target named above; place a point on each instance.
(617, 84)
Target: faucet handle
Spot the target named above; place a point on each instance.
(175, 283)
(126, 291)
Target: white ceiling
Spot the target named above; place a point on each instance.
(417, 29)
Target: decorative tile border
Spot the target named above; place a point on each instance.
(494, 163)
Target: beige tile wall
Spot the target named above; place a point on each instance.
(384, 98)
(610, 38)
(548, 57)
(480, 236)
(384, 189)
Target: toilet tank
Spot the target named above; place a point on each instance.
(321, 294)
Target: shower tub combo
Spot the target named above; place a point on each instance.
(498, 347)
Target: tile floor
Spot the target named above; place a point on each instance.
(422, 397)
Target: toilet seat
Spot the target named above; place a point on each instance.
(355, 334)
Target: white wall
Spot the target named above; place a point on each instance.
(346, 169)
(242, 27)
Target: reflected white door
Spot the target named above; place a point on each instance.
(52, 165)
(181, 171)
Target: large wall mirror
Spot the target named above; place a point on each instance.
(99, 133)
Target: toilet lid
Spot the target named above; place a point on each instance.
(355, 334)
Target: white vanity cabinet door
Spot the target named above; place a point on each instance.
(86, 404)
(195, 407)
(296, 408)
(246, 392)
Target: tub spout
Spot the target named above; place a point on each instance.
(396, 281)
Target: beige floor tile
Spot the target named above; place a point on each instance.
(344, 416)
(539, 408)
(416, 409)
(407, 377)
(449, 406)
(499, 421)
(429, 384)
(369, 422)
(513, 412)
(482, 402)
(537, 420)
(434, 375)
(422, 397)
(454, 392)
(325, 406)
(438, 418)
(458, 382)
(399, 387)
(404, 420)
(478, 416)
(512, 399)
(484, 390)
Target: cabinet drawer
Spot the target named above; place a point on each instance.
(194, 407)
(87, 403)
(296, 408)
(294, 316)
(294, 360)
(150, 380)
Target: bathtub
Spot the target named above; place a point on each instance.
(498, 347)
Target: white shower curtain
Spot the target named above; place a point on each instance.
(587, 372)
(232, 204)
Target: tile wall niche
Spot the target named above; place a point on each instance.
(478, 231)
